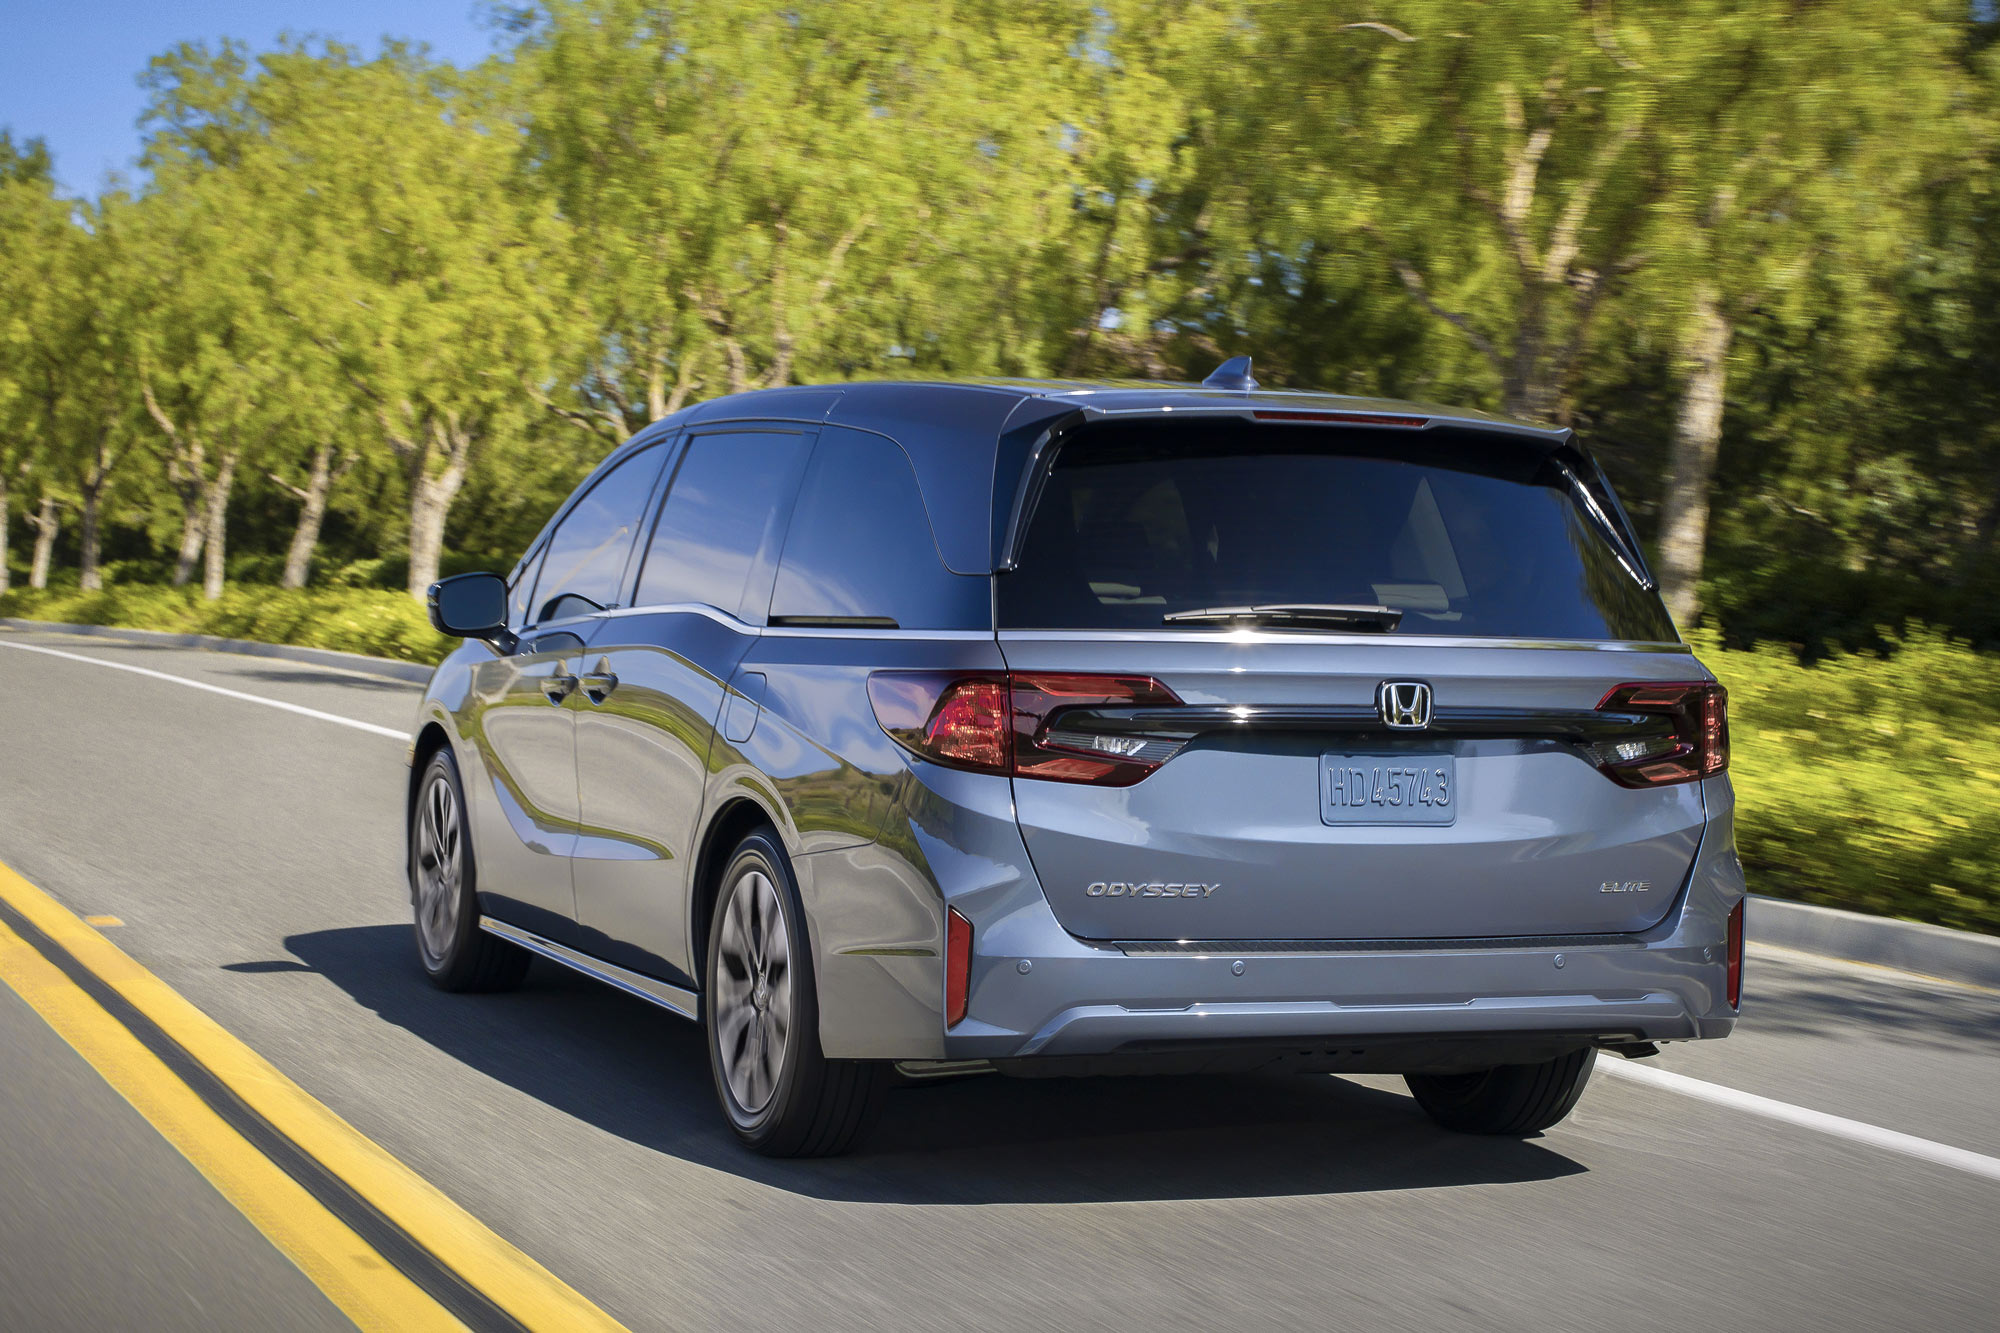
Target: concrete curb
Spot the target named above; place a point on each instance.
(1955, 955)
(414, 672)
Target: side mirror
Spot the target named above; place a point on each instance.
(470, 606)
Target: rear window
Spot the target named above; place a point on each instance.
(1464, 533)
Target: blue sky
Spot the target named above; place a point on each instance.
(69, 69)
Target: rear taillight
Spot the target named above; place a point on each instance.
(957, 965)
(1692, 742)
(1049, 725)
(1054, 737)
(960, 721)
(1736, 955)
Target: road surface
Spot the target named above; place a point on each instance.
(252, 857)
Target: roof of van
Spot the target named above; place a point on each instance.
(844, 401)
(971, 441)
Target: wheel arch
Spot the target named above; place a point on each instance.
(733, 821)
(430, 738)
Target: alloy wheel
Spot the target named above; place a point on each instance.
(440, 868)
(753, 990)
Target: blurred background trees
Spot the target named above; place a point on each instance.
(368, 318)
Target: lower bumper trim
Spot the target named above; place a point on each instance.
(1238, 948)
(1110, 1029)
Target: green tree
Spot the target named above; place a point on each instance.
(408, 258)
(1488, 157)
(1802, 148)
(30, 217)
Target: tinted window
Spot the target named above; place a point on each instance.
(1464, 534)
(586, 554)
(860, 545)
(722, 514)
(521, 589)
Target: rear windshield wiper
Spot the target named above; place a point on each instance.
(1338, 616)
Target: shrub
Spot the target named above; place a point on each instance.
(354, 620)
(1869, 780)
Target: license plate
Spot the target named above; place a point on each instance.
(1388, 789)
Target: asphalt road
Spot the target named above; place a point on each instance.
(253, 856)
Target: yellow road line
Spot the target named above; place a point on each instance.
(367, 1290)
(496, 1269)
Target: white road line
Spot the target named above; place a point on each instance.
(390, 732)
(1840, 1127)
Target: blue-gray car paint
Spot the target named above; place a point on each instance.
(1329, 939)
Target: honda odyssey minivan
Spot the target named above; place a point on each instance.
(897, 730)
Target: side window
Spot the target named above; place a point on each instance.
(523, 588)
(723, 513)
(586, 553)
(860, 549)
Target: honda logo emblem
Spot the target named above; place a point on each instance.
(1404, 704)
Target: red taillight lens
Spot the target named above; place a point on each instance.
(957, 965)
(1052, 741)
(1695, 745)
(1736, 955)
(956, 720)
(970, 725)
(1029, 724)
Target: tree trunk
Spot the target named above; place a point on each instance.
(216, 524)
(430, 502)
(193, 531)
(88, 578)
(305, 537)
(46, 524)
(5, 500)
(1697, 438)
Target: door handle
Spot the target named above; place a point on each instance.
(558, 688)
(597, 685)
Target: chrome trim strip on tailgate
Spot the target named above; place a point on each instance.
(684, 1002)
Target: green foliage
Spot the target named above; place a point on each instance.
(1869, 782)
(354, 620)
(371, 317)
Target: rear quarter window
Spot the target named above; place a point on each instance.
(861, 549)
(1464, 534)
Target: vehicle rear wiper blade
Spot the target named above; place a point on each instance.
(1340, 615)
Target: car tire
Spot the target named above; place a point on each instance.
(1511, 1100)
(778, 1091)
(456, 954)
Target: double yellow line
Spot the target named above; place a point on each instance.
(386, 1246)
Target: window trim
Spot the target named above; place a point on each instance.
(808, 431)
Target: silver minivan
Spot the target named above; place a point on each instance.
(903, 730)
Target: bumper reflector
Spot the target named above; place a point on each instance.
(957, 964)
(1736, 955)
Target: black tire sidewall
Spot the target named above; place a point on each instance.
(802, 1062)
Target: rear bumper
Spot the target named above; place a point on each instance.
(1041, 996)
(1037, 991)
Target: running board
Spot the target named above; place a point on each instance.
(684, 1002)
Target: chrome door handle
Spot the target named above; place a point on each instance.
(558, 688)
(597, 685)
